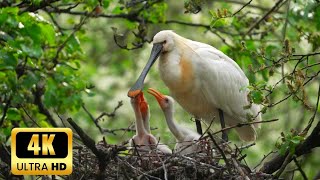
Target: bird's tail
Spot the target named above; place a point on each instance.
(247, 133)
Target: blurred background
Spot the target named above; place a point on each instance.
(266, 51)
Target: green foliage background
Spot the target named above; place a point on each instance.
(54, 60)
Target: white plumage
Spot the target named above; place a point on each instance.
(202, 80)
(187, 141)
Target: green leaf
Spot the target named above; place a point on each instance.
(44, 124)
(316, 17)
(292, 149)
(2, 76)
(7, 59)
(283, 148)
(9, 15)
(7, 131)
(220, 22)
(117, 10)
(32, 51)
(297, 140)
(13, 114)
(48, 33)
(73, 45)
(256, 96)
(106, 3)
(29, 80)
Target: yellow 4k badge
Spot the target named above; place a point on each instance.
(41, 151)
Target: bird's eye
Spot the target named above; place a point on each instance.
(165, 41)
(167, 100)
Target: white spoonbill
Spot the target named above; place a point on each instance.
(203, 80)
(187, 140)
(144, 140)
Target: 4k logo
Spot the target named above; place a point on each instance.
(46, 144)
(41, 151)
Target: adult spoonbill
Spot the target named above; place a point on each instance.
(203, 80)
(187, 140)
(144, 140)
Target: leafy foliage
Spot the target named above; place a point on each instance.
(32, 65)
(289, 143)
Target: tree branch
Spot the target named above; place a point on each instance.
(38, 92)
(265, 16)
(249, 5)
(112, 114)
(5, 110)
(242, 8)
(303, 174)
(305, 147)
(244, 124)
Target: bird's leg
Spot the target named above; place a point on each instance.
(198, 124)
(223, 125)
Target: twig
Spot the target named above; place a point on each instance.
(61, 119)
(311, 78)
(247, 146)
(235, 163)
(245, 124)
(87, 140)
(136, 149)
(221, 152)
(303, 174)
(305, 131)
(165, 172)
(201, 163)
(249, 5)
(187, 23)
(155, 171)
(56, 23)
(112, 114)
(33, 7)
(63, 44)
(92, 118)
(284, 37)
(242, 8)
(208, 128)
(113, 131)
(5, 109)
(264, 157)
(265, 16)
(284, 164)
(25, 111)
(305, 55)
(38, 92)
(143, 173)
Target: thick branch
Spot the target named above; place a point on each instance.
(37, 101)
(311, 142)
(42, 5)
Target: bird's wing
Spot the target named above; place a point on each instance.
(221, 81)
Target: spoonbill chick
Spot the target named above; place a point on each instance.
(187, 139)
(144, 141)
(203, 80)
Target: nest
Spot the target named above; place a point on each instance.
(225, 163)
(105, 161)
